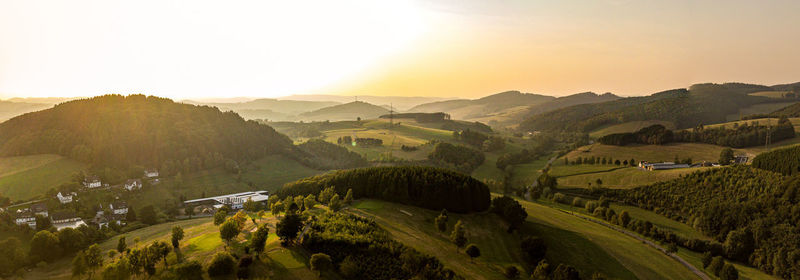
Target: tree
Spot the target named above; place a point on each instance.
(189, 210)
(473, 251)
(251, 206)
(598, 182)
(149, 215)
(441, 223)
(177, 236)
(511, 272)
(542, 271)
(43, 223)
(348, 198)
(276, 208)
(716, 265)
(44, 246)
(131, 216)
(93, 258)
(335, 204)
(706, 259)
(240, 218)
(459, 235)
(189, 270)
(79, 265)
(71, 240)
(729, 272)
(158, 250)
(739, 244)
(121, 245)
(320, 262)
(547, 181)
(288, 227)
(326, 194)
(534, 247)
(565, 272)
(118, 270)
(310, 201)
(259, 239)
(624, 218)
(219, 217)
(222, 264)
(726, 156)
(228, 231)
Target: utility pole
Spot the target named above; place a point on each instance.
(391, 115)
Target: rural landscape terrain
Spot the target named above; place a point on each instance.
(399, 140)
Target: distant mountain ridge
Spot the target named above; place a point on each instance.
(699, 104)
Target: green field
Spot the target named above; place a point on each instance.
(763, 108)
(631, 126)
(394, 137)
(571, 240)
(26, 177)
(770, 94)
(653, 153)
(620, 178)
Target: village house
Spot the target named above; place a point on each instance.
(64, 199)
(151, 173)
(118, 207)
(66, 219)
(25, 217)
(235, 201)
(39, 209)
(740, 159)
(133, 184)
(92, 182)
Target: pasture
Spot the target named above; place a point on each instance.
(631, 126)
(26, 177)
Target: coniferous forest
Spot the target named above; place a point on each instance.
(426, 187)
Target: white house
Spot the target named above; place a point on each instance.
(151, 173)
(39, 209)
(92, 182)
(118, 207)
(133, 184)
(65, 198)
(25, 217)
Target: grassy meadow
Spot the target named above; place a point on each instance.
(25, 177)
(631, 126)
(616, 177)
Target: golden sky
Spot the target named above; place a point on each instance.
(449, 48)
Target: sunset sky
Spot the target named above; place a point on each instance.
(449, 48)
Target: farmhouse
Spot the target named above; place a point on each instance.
(118, 207)
(92, 182)
(661, 165)
(133, 184)
(151, 173)
(66, 220)
(235, 201)
(65, 198)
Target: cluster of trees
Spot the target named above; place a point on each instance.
(359, 249)
(368, 142)
(510, 211)
(471, 137)
(752, 212)
(521, 157)
(600, 160)
(45, 246)
(740, 136)
(457, 157)
(785, 161)
(320, 154)
(405, 148)
(717, 265)
(652, 135)
(426, 187)
(123, 131)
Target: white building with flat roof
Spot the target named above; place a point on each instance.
(235, 201)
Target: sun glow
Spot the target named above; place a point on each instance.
(197, 48)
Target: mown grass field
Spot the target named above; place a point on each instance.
(632, 126)
(394, 137)
(653, 153)
(694, 258)
(571, 240)
(620, 178)
(25, 177)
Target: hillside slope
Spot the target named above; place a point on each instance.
(347, 111)
(464, 109)
(10, 109)
(122, 132)
(700, 104)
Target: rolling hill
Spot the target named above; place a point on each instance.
(699, 104)
(9, 109)
(271, 109)
(347, 111)
(122, 132)
(400, 103)
(464, 109)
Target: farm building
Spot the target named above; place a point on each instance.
(133, 184)
(661, 165)
(235, 201)
(66, 220)
(151, 173)
(92, 182)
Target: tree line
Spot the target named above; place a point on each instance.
(785, 161)
(320, 154)
(426, 187)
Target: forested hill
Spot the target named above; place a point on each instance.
(122, 132)
(700, 104)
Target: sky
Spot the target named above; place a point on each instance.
(445, 48)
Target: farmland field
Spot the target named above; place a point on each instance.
(654, 153)
(623, 178)
(26, 177)
(632, 126)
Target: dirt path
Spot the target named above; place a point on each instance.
(696, 271)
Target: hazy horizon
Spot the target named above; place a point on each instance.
(442, 48)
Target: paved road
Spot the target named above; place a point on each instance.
(699, 273)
